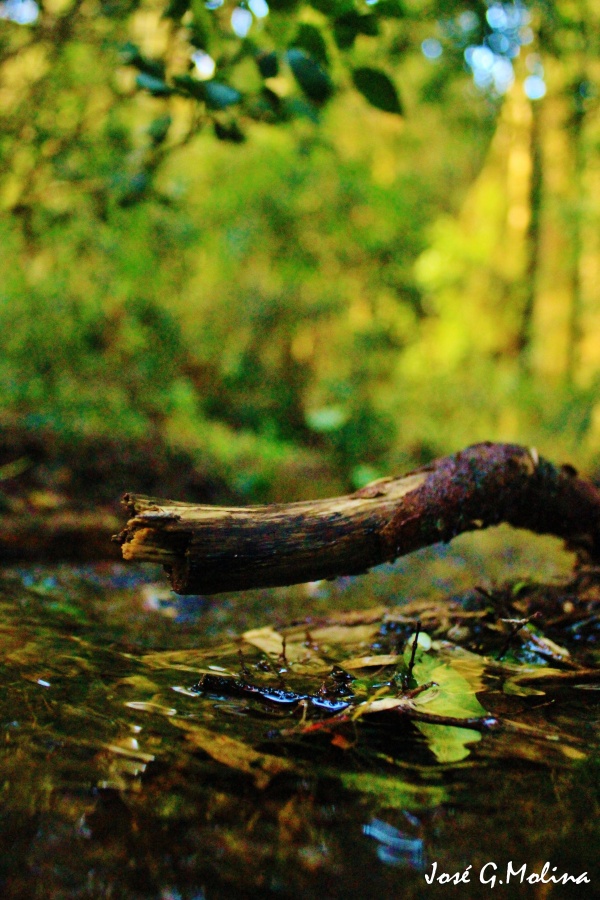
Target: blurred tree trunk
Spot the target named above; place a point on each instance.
(532, 239)
(581, 90)
(575, 327)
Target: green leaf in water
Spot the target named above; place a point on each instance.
(457, 680)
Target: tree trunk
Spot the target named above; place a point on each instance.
(532, 241)
(209, 549)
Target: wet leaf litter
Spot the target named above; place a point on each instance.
(334, 678)
(355, 745)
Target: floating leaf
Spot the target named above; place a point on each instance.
(457, 680)
(313, 80)
(378, 89)
(361, 633)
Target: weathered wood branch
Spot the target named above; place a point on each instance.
(209, 549)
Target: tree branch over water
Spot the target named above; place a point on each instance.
(211, 549)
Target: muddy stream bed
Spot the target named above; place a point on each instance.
(278, 744)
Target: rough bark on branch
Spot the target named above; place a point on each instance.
(210, 549)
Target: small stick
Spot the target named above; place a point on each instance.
(409, 672)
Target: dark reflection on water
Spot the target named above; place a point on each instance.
(118, 781)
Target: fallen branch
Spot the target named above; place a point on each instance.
(210, 549)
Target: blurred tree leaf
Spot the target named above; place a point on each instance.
(268, 64)
(378, 89)
(309, 38)
(283, 5)
(131, 55)
(391, 9)
(230, 132)
(176, 9)
(201, 26)
(188, 85)
(313, 80)
(219, 95)
(347, 27)
(159, 128)
(155, 86)
(332, 8)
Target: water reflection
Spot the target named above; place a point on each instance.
(120, 780)
(394, 847)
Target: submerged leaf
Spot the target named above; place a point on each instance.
(235, 754)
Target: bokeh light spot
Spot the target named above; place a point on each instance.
(260, 8)
(534, 87)
(431, 48)
(241, 21)
(23, 12)
(204, 63)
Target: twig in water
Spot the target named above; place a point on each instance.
(409, 672)
(518, 624)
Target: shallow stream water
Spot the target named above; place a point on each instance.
(126, 773)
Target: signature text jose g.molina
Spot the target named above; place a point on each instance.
(491, 875)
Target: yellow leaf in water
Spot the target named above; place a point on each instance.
(345, 634)
(367, 662)
(266, 639)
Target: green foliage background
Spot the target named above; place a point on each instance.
(298, 271)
